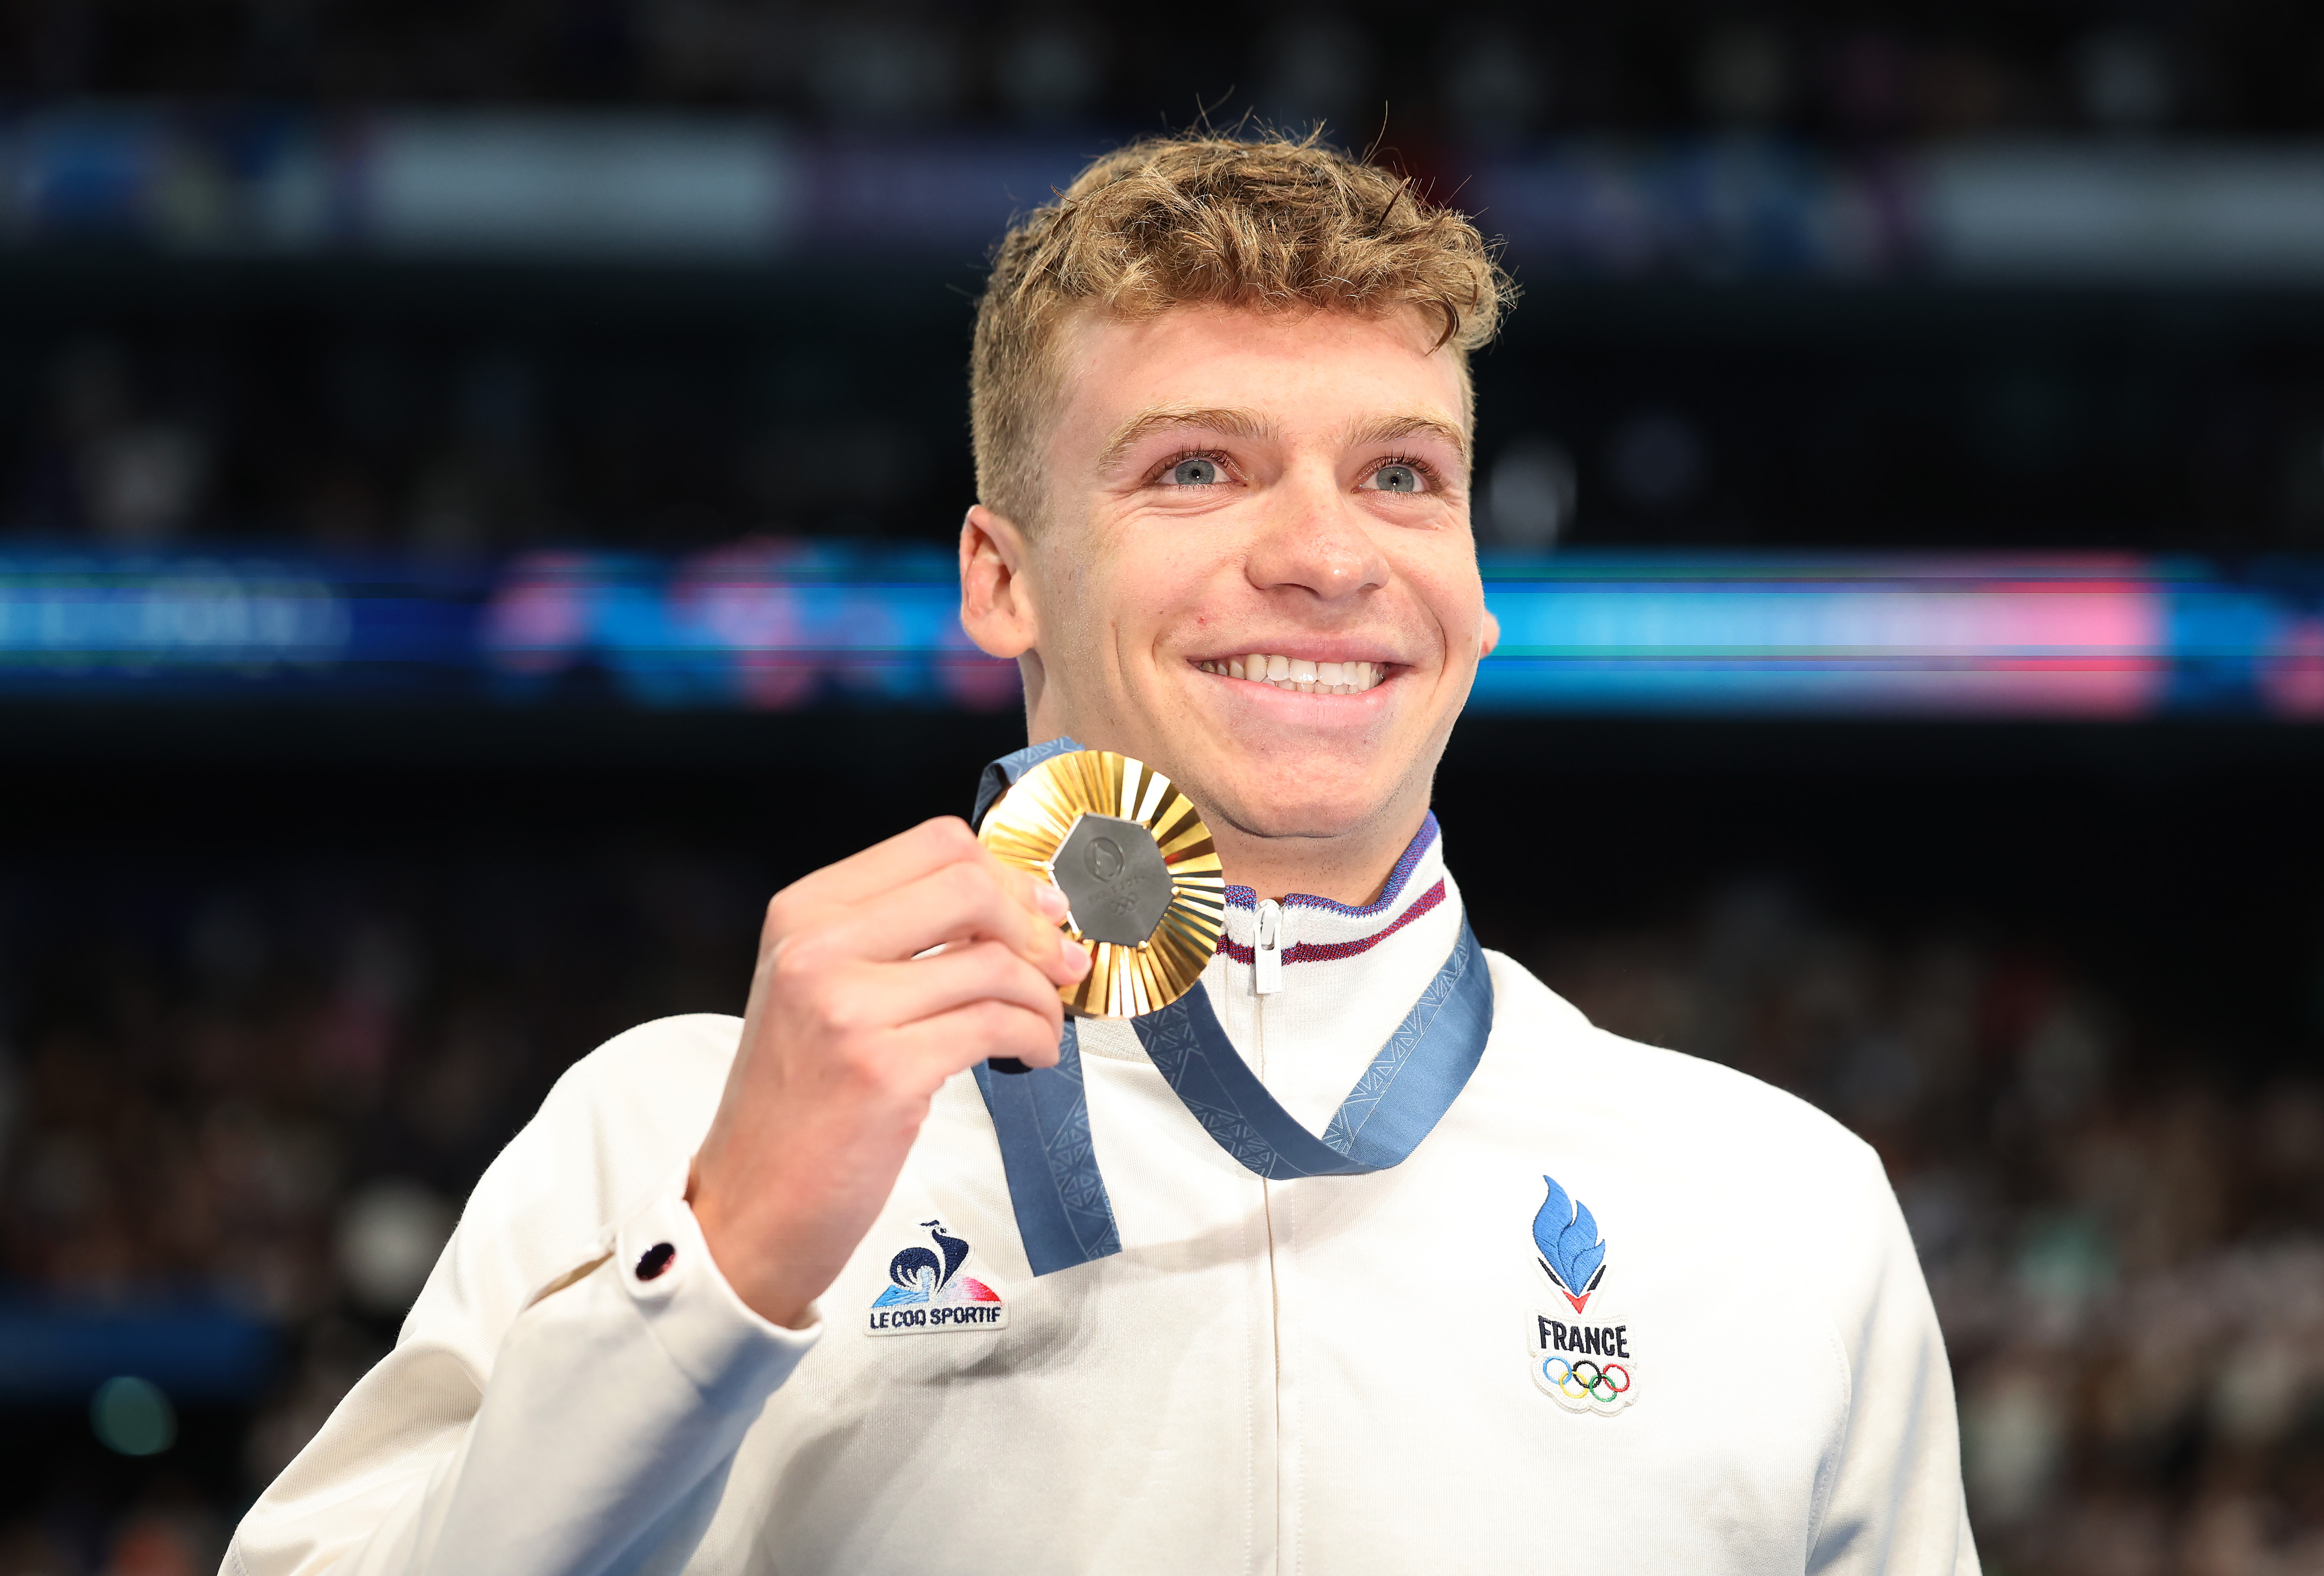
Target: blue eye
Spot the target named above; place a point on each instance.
(1396, 479)
(1195, 472)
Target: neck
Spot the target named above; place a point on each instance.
(1350, 868)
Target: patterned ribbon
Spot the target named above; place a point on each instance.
(1041, 1115)
(1395, 1103)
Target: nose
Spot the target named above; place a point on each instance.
(1312, 544)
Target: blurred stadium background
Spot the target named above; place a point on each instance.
(475, 494)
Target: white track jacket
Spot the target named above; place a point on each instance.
(1329, 1376)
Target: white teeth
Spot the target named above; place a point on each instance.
(1300, 675)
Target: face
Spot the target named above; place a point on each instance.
(1255, 569)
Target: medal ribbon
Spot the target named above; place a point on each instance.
(1041, 1114)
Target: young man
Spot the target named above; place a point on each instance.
(822, 1290)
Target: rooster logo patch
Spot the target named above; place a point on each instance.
(927, 1291)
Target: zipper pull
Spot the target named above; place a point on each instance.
(1267, 951)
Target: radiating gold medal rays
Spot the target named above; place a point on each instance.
(1150, 926)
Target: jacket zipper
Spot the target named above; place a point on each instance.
(1267, 979)
(1267, 949)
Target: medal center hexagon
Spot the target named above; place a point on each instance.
(1111, 871)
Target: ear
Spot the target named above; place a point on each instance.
(1493, 636)
(996, 607)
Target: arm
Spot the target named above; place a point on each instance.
(549, 1404)
(1892, 1498)
(602, 1408)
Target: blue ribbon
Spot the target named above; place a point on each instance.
(1041, 1115)
(1399, 1097)
(1042, 1118)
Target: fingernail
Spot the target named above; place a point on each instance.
(1077, 957)
(1053, 902)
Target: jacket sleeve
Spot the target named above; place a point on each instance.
(564, 1384)
(1891, 1499)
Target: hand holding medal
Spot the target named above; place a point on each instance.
(877, 978)
(884, 976)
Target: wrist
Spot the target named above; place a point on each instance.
(756, 1276)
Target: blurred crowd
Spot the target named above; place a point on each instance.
(274, 1095)
(383, 400)
(276, 1091)
(448, 443)
(1487, 70)
(446, 448)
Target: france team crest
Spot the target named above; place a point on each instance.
(1583, 1359)
(927, 1291)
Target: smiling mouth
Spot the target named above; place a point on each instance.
(1299, 674)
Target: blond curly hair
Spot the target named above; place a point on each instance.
(1263, 224)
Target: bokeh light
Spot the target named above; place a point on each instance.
(132, 1416)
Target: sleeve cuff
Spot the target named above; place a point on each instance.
(708, 1331)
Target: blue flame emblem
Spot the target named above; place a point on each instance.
(1572, 1251)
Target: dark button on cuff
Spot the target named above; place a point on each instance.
(654, 1260)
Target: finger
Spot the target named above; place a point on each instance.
(949, 1042)
(968, 901)
(908, 856)
(1032, 888)
(1035, 891)
(983, 970)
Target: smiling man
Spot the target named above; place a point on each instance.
(1370, 1255)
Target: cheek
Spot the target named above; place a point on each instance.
(1074, 575)
(1170, 590)
(1451, 595)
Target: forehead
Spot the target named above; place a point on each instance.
(1309, 370)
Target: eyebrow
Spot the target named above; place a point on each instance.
(1390, 428)
(1249, 424)
(1245, 424)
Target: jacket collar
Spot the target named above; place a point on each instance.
(1318, 930)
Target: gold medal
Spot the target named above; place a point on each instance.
(1133, 859)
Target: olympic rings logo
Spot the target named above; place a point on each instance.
(1586, 1380)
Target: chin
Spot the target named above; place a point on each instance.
(1263, 809)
